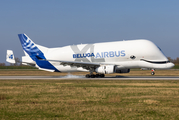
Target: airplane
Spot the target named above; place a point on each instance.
(98, 58)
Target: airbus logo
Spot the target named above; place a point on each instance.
(110, 54)
(10, 56)
(83, 55)
(101, 54)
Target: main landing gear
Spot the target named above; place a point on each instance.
(91, 75)
(153, 73)
(95, 76)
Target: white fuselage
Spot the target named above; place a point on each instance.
(125, 54)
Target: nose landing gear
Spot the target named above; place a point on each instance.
(153, 73)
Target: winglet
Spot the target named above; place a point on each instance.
(10, 57)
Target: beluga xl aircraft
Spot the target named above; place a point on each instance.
(98, 58)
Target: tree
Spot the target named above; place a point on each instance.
(18, 62)
(170, 59)
(175, 61)
(2, 64)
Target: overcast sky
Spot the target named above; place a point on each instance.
(56, 23)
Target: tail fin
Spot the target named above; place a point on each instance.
(36, 52)
(10, 57)
(30, 47)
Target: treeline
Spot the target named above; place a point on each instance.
(175, 61)
(17, 65)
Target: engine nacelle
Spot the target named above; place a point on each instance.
(108, 69)
(122, 71)
(105, 69)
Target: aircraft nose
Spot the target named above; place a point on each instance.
(170, 65)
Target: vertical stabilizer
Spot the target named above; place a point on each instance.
(10, 57)
(30, 47)
(36, 52)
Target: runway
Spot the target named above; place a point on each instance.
(74, 77)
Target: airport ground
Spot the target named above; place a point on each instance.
(82, 99)
(133, 72)
(89, 99)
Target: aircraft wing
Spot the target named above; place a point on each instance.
(85, 65)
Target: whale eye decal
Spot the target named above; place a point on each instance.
(132, 57)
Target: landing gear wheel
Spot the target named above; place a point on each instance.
(97, 75)
(93, 76)
(102, 75)
(153, 73)
(88, 76)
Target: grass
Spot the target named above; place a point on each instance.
(89, 99)
(176, 66)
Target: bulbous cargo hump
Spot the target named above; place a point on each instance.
(109, 51)
(142, 49)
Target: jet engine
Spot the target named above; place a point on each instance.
(108, 69)
(120, 69)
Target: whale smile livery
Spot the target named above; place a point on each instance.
(98, 58)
